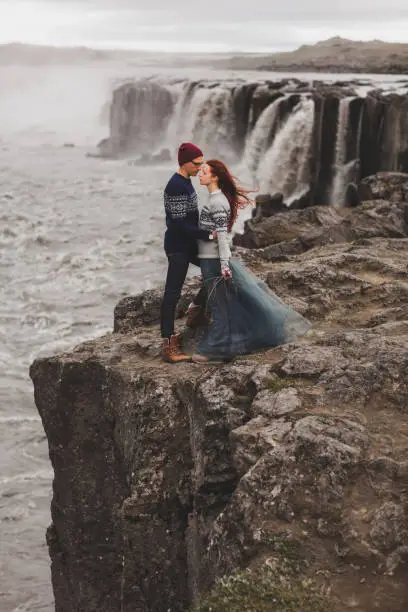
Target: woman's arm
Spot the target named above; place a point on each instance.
(221, 218)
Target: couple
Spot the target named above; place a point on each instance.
(242, 314)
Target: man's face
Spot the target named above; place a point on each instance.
(194, 166)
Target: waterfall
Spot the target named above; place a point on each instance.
(397, 126)
(139, 115)
(341, 169)
(285, 166)
(277, 150)
(359, 133)
(204, 116)
(259, 139)
(171, 138)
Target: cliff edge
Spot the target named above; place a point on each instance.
(276, 482)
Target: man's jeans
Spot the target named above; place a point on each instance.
(176, 275)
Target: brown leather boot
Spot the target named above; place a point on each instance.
(196, 316)
(171, 350)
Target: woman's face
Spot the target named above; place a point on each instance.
(206, 176)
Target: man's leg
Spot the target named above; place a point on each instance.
(201, 298)
(176, 275)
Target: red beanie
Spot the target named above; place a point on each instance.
(187, 152)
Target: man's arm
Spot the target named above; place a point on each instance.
(177, 206)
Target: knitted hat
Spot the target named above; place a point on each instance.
(187, 152)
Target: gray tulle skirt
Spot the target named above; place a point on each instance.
(245, 314)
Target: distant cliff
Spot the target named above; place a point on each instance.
(308, 141)
(333, 55)
(276, 482)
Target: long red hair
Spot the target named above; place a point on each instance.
(237, 196)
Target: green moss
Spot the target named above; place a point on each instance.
(288, 549)
(277, 384)
(284, 234)
(242, 400)
(273, 587)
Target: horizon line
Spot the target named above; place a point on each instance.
(120, 49)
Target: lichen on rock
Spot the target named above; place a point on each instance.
(270, 586)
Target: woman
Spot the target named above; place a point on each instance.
(245, 315)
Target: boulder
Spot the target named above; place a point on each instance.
(296, 231)
(390, 186)
(145, 159)
(267, 205)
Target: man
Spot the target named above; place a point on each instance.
(180, 244)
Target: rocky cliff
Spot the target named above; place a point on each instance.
(276, 482)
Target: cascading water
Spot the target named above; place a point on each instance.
(341, 168)
(359, 133)
(259, 139)
(172, 136)
(211, 120)
(397, 137)
(205, 117)
(139, 115)
(152, 114)
(177, 126)
(285, 166)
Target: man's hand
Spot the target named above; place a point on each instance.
(214, 236)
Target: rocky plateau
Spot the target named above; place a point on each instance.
(277, 482)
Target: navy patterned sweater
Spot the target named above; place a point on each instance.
(182, 216)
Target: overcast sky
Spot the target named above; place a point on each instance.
(206, 25)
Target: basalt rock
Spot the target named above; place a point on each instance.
(267, 205)
(294, 231)
(145, 159)
(288, 467)
(392, 186)
(144, 309)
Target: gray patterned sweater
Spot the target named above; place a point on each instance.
(215, 216)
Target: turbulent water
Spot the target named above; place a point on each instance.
(76, 234)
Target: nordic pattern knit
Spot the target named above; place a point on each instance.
(182, 216)
(215, 216)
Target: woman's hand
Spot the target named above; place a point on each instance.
(226, 272)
